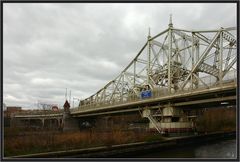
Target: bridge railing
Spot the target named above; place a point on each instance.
(38, 112)
(156, 93)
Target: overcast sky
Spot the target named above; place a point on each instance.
(50, 47)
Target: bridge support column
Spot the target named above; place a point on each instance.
(15, 122)
(169, 120)
(69, 123)
(58, 123)
(43, 123)
(108, 122)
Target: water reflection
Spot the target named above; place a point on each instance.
(220, 149)
(224, 149)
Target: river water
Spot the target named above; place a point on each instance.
(219, 149)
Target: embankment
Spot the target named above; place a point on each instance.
(130, 148)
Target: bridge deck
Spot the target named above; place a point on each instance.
(41, 114)
(213, 94)
(225, 92)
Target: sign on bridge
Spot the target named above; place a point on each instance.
(146, 94)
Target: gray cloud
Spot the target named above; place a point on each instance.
(50, 47)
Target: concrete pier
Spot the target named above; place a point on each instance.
(69, 123)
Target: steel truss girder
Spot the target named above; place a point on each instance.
(174, 64)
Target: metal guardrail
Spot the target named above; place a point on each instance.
(37, 113)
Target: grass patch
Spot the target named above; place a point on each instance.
(153, 138)
(36, 142)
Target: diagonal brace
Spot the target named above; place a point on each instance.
(201, 59)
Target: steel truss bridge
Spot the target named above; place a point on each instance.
(178, 67)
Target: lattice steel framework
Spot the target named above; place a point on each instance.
(174, 60)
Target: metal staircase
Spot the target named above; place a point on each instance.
(147, 114)
(229, 38)
(208, 69)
